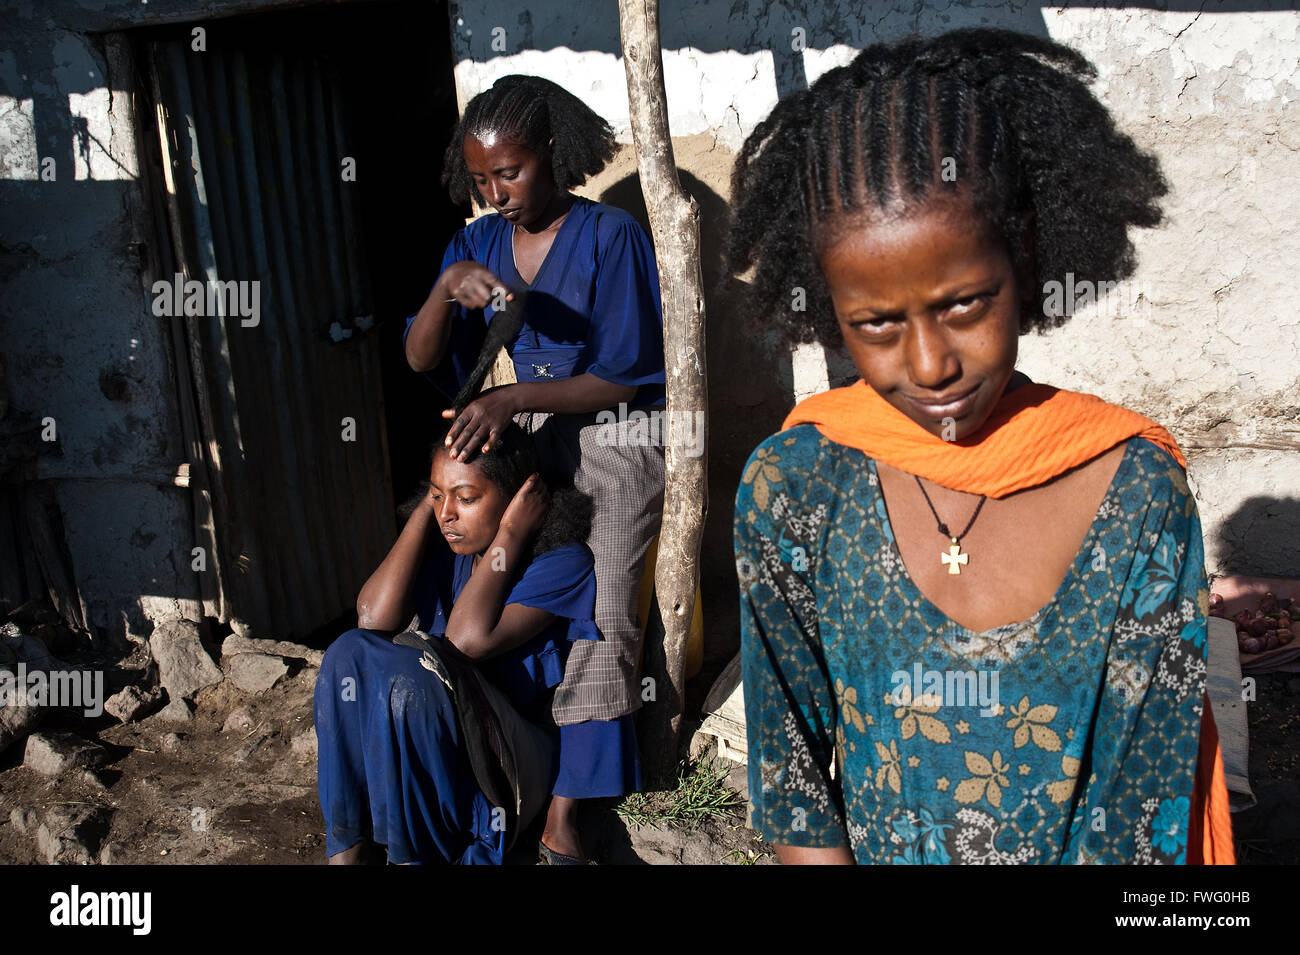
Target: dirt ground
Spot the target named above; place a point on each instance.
(246, 795)
(1269, 833)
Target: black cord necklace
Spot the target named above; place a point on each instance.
(954, 557)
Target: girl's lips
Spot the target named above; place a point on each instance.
(509, 213)
(453, 538)
(957, 408)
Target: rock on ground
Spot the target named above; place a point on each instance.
(18, 647)
(235, 643)
(240, 720)
(304, 744)
(55, 753)
(132, 704)
(72, 834)
(19, 719)
(177, 711)
(184, 666)
(256, 672)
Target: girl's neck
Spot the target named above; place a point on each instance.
(552, 215)
(1018, 378)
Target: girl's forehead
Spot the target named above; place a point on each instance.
(447, 471)
(494, 147)
(936, 214)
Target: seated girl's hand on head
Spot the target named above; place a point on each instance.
(527, 509)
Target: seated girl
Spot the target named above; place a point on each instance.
(973, 607)
(491, 563)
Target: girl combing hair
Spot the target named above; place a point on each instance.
(973, 607)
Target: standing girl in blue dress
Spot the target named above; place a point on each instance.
(973, 607)
(591, 340)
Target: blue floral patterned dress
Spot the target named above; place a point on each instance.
(876, 722)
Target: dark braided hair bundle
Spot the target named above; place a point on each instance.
(546, 118)
(1003, 120)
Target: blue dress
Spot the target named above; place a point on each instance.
(877, 723)
(391, 766)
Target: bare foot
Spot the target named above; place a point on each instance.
(561, 831)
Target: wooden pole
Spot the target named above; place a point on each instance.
(675, 225)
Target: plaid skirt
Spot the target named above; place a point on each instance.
(621, 465)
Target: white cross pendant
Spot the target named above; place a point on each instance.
(954, 557)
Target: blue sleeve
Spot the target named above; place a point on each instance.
(1135, 802)
(626, 343)
(563, 582)
(466, 340)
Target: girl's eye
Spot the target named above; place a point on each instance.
(467, 500)
(874, 326)
(970, 305)
(510, 177)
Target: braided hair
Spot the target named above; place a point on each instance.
(546, 118)
(1001, 119)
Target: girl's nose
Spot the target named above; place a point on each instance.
(446, 512)
(930, 357)
(497, 195)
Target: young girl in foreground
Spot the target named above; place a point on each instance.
(973, 607)
(486, 564)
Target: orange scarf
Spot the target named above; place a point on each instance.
(1033, 434)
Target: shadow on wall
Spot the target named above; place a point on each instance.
(1258, 540)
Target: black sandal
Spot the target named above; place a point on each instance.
(548, 856)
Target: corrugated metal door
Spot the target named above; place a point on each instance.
(285, 417)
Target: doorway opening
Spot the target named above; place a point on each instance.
(299, 154)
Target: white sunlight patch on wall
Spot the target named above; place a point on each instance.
(18, 158)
